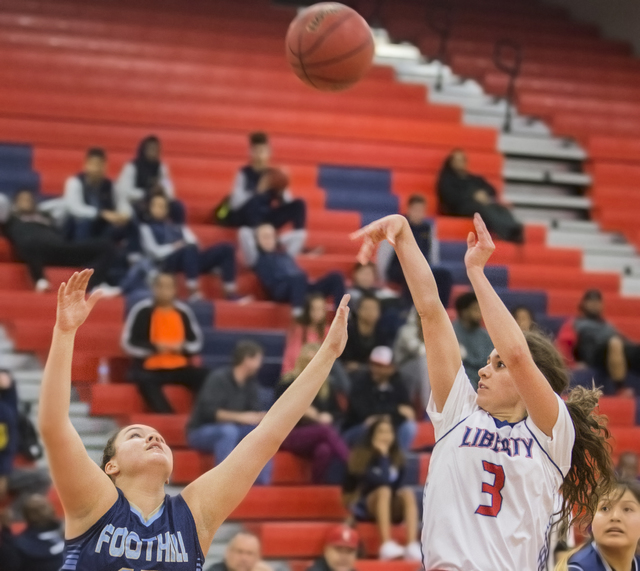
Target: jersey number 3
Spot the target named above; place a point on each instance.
(494, 490)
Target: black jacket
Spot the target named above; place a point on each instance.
(135, 335)
(455, 193)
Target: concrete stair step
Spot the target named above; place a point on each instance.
(540, 147)
(570, 202)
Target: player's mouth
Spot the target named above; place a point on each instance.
(155, 445)
(614, 530)
(481, 385)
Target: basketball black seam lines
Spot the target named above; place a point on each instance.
(326, 34)
(339, 58)
(299, 58)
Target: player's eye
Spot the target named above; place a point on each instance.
(500, 364)
(135, 435)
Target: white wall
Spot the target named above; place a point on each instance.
(618, 19)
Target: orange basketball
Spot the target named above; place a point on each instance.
(329, 46)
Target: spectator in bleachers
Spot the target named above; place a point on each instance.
(147, 175)
(174, 247)
(524, 318)
(461, 193)
(379, 391)
(9, 435)
(97, 210)
(163, 335)
(39, 243)
(243, 553)
(39, 546)
(257, 198)
(475, 343)
(590, 340)
(228, 407)
(366, 331)
(315, 436)
(340, 550)
(376, 489)
(425, 232)
(410, 358)
(628, 466)
(282, 277)
(364, 281)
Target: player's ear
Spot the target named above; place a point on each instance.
(111, 468)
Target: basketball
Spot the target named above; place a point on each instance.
(276, 179)
(329, 46)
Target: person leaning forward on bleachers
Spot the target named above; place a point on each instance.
(243, 553)
(162, 334)
(228, 407)
(284, 280)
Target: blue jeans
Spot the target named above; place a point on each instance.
(405, 434)
(193, 262)
(220, 439)
(294, 289)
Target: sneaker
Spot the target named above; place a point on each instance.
(413, 551)
(43, 285)
(108, 290)
(391, 550)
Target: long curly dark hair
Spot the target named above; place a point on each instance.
(592, 471)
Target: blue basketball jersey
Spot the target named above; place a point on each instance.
(122, 541)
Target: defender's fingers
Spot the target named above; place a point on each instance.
(471, 240)
(344, 302)
(61, 291)
(94, 298)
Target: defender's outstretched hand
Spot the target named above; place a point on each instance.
(73, 307)
(478, 250)
(387, 228)
(337, 336)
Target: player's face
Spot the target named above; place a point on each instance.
(340, 558)
(496, 391)
(140, 448)
(617, 522)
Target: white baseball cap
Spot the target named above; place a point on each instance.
(381, 355)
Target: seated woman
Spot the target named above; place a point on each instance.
(616, 533)
(147, 175)
(461, 193)
(375, 490)
(174, 248)
(314, 436)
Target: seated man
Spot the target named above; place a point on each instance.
(425, 232)
(461, 193)
(162, 334)
(340, 550)
(475, 343)
(228, 407)
(175, 249)
(281, 276)
(590, 340)
(375, 393)
(252, 202)
(97, 210)
(38, 243)
(147, 175)
(242, 554)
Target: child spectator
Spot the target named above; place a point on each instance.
(38, 243)
(315, 436)
(162, 334)
(252, 202)
(228, 407)
(366, 331)
(379, 391)
(524, 318)
(175, 248)
(461, 193)
(97, 210)
(375, 489)
(475, 343)
(425, 232)
(281, 276)
(146, 176)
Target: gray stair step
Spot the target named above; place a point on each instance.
(530, 175)
(630, 286)
(91, 425)
(524, 126)
(608, 262)
(570, 202)
(547, 216)
(96, 441)
(583, 226)
(579, 239)
(539, 147)
(28, 377)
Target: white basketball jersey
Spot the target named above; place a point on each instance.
(489, 498)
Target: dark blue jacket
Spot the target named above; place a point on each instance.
(273, 268)
(589, 559)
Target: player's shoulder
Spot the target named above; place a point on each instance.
(587, 559)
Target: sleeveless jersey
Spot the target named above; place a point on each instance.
(122, 541)
(492, 486)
